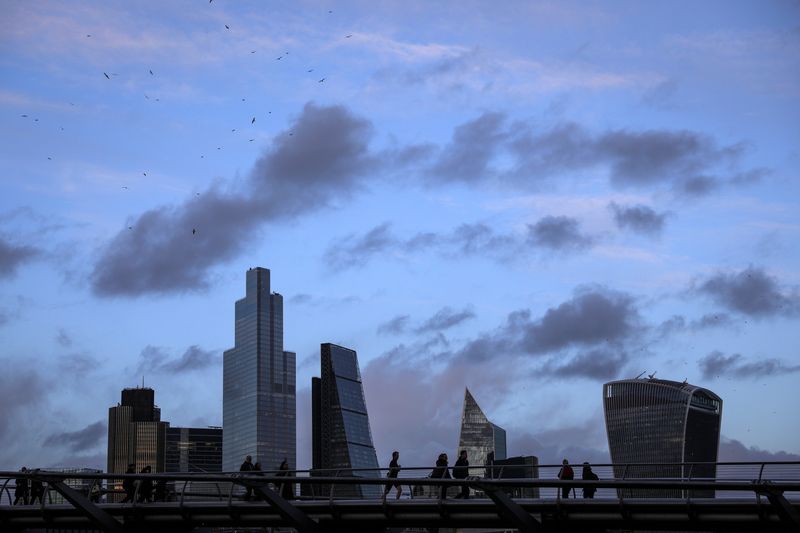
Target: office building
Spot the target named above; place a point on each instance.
(479, 437)
(341, 436)
(659, 421)
(258, 385)
(194, 449)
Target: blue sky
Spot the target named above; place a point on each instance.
(527, 199)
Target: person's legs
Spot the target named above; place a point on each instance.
(565, 492)
(399, 490)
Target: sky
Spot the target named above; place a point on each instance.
(528, 199)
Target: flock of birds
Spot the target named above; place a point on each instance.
(110, 75)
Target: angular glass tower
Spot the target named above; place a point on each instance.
(341, 436)
(258, 382)
(660, 421)
(479, 437)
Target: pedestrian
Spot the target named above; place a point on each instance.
(145, 486)
(95, 491)
(564, 474)
(461, 471)
(129, 484)
(394, 470)
(286, 489)
(588, 492)
(37, 491)
(441, 472)
(21, 490)
(247, 466)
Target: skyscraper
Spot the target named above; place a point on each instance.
(479, 436)
(258, 384)
(660, 421)
(341, 436)
(136, 434)
(194, 449)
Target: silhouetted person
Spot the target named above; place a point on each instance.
(247, 466)
(95, 492)
(129, 484)
(286, 489)
(564, 474)
(145, 487)
(460, 471)
(21, 490)
(394, 470)
(258, 472)
(37, 491)
(442, 472)
(588, 492)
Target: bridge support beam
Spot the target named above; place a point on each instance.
(511, 511)
(296, 518)
(785, 510)
(102, 519)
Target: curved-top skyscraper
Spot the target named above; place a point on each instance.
(661, 421)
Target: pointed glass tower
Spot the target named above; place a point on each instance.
(479, 436)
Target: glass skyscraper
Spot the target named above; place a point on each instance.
(479, 437)
(258, 383)
(341, 436)
(194, 449)
(660, 421)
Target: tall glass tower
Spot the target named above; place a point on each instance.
(660, 421)
(479, 436)
(341, 437)
(258, 382)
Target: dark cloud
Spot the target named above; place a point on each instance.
(752, 292)
(394, 326)
(63, 338)
(81, 440)
(318, 160)
(678, 324)
(733, 450)
(354, 251)
(157, 360)
(445, 318)
(558, 233)
(20, 390)
(300, 299)
(468, 155)
(13, 255)
(602, 364)
(78, 364)
(717, 364)
(638, 218)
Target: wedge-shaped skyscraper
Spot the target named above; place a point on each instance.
(258, 382)
(479, 436)
(341, 436)
(660, 421)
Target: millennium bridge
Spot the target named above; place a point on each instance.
(742, 496)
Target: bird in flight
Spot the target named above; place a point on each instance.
(322, 80)
(125, 187)
(348, 36)
(24, 116)
(49, 158)
(251, 140)
(253, 121)
(311, 70)
(227, 27)
(145, 173)
(106, 75)
(151, 73)
(194, 231)
(278, 58)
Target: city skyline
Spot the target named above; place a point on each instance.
(528, 199)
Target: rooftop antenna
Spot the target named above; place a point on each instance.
(653, 375)
(640, 375)
(142, 381)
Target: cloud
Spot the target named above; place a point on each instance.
(63, 339)
(751, 292)
(466, 159)
(300, 299)
(353, 251)
(81, 440)
(638, 218)
(394, 326)
(20, 390)
(12, 256)
(157, 360)
(717, 364)
(558, 233)
(734, 451)
(601, 364)
(316, 162)
(445, 318)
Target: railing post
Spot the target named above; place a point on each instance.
(330, 497)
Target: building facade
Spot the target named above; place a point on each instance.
(258, 389)
(658, 421)
(341, 436)
(194, 449)
(479, 437)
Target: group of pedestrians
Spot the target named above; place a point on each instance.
(566, 473)
(286, 490)
(143, 490)
(27, 492)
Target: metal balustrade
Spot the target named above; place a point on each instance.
(748, 496)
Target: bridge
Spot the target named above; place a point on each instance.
(741, 497)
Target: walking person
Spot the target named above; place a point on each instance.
(247, 466)
(441, 472)
(37, 491)
(286, 488)
(145, 487)
(461, 471)
(394, 470)
(21, 490)
(129, 484)
(564, 474)
(588, 492)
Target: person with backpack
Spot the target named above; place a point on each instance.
(588, 492)
(564, 474)
(461, 471)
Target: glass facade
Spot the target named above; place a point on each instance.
(660, 421)
(258, 384)
(479, 437)
(341, 436)
(194, 450)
